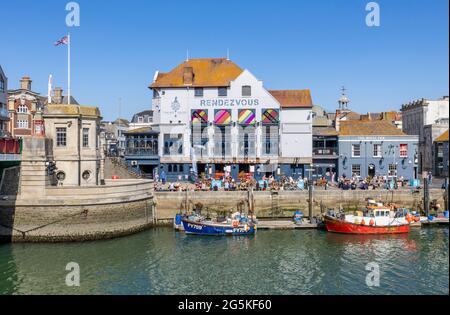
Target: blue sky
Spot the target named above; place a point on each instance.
(315, 44)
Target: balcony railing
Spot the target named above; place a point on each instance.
(141, 152)
(333, 151)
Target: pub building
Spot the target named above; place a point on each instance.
(215, 118)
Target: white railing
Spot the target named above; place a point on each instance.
(10, 157)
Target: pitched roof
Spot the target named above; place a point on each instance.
(443, 137)
(324, 131)
(369, 128)
(293, 98)
(207, 72)
(349, 115)
(121, 121)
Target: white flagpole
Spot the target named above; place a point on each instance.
(68, 69)
(49, 91)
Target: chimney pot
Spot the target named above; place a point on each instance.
(188, 76)
(25, 83)
(58, 98)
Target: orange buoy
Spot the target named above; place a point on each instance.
(363, 222)
(416, 219)
(372, 222)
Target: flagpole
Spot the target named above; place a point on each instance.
(68, 70)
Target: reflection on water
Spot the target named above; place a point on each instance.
(162, 261)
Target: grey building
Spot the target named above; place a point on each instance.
(143, 119)
(376, 148)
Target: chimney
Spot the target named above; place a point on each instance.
(57, 97)
(25, 83)
(188, 76)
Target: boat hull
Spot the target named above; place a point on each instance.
(200, 228)
(339, 226)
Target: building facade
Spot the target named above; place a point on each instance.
(214, 118)
(74, 130)
(142, 151)
(440, 153)
(325, 153)
(142, 119)
(4, 114)
(25, 111)
(427, 119)
(376, 148)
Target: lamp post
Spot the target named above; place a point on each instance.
(310, 192)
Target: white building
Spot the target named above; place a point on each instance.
(213, 112)
(428, 119)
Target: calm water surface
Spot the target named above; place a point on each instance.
(162, 261)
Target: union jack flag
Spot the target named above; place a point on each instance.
(62, 41)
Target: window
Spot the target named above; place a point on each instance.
(173, 144)
(392, 169)
(246, 90)
(155, 94)
(85, 137)
(61, 137)
(140, 119)
(61, 176)
(86, 175)
(223, 91)
(356, 170)
(2, 85)
(22, 109)
(377, 150)
(22, 123)
(403, 150)
(356, 150)
(198, 92)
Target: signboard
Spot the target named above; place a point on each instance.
(224, 102)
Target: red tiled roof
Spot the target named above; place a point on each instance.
(369, 128)
(207, 72)
(293, 98)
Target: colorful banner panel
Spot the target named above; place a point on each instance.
(247, 117)
(270, 116)
(199, 116)
(223, 117)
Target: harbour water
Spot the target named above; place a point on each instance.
(162, 261)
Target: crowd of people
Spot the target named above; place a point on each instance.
(271, 183)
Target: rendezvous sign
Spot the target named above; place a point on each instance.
(229, 102)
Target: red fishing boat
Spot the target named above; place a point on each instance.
(374, 219)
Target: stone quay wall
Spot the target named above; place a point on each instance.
(285, 203)
(67, 214)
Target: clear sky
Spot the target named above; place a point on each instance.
(315, 44)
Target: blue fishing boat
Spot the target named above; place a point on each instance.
(208, 227)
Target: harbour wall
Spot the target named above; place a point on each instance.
(65, 214)
(284, 203)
